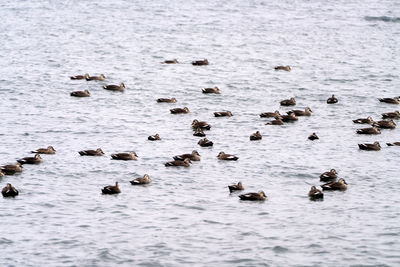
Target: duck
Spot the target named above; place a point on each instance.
(97, 152)
(113, 87)
(339, 185)
(214, 90)
(332, 100)
(11, 168)
(375, 146)
(85, 93)
(101, 77)
(31, 160)
(201, 124)
(205, 142)
(286, 68)
(315, 193)
(313, 137)
(141, 180)
(9, 191)
(385, 124)
(369, 130)
(200, 62)
(125, 156)
(167, 100)
(111, 189)
(194, 156)
(328, 176)
(260, 196)
(179, 163)
(79, 77)
(154, 137)
(291, 117)
(235, 187)
(391, 115)
(275, 122)
(393, 144)
(48, 150)
(288, 102)
(223, 156)
(394, 100)
(199, 132)
(270, 114)
(306, 112)
(223, 114)
(367, 120)
(179, 110)
(171, 61)
(255, 136)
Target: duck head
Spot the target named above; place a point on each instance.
(99, 150)
(342, 181)
(194, 152)
(122, 85)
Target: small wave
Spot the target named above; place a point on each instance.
(382, 18)
(279, 249)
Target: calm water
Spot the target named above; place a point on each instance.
(187, 216)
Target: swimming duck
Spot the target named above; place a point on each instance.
(391, 115)
(255, 136)
(200, 62)
(111, 189)
(81, 93)
(199, 132)
(275, 122)
(332, 100)
(9, 191)
(167, 100)
(79, 77)
(11, 168)
(205, 142)
(288, 102)
(315, 193)
(393, 144)
(394, 100)
(313, 137)
(173, 61)
(31, 160)
(385, 124)
(113, 87)
(214, 90)
(48, 150)
(286, 68)
(141, 180)
(179, 163)
(253, 196)
(235, 187)
(125, 156)
(339, 185)
(154, 137)
(223, 114)
(375, 146)
(367, 120)
(306, 112)
(194, 156)
(223, 156)
(101, 77)
(201, 124)
(369, 130)
(97, 152)
(328, 176)
(270, 114)
(288, 118)
(179, 110)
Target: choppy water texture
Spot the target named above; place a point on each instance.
(186, 216)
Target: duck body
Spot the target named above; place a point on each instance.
(288, 118)
(201, 124)
(154, 137)
(205, 142)
(97, 152)
(223, 114)
(260, 196)
(391, 115)
(179, 110)
(393, 144)
(315, 193)
(9, 191)
(270, 114)
(85, 93)
(328, 176)
(113, 87)
(223, 156)
(11, 168)
(275, 122)
(288, 102)
(194, 156)
(375, 146)
(214, 90)
(255, 136)
(385, 124)
(369, 130)
(285, 68)
(313, 137)
(235, 187)
(340, 185)
(178, 163)
(306, 112)
(141, 180)
(101, 77)
(332, 100)
(200, 62)
(124, 156)
(367, 120)
(31, 160)
(394, 100)
(48, 150)
(111, 189)
(167, 100)
(79, 77)
(172, 61)
(199, 132)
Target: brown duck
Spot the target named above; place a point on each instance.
(286, 68)
(235, 187)
(214, 90)
(332, 100)
(275, 122)
(154, 137)
(179, 110)
(113, 87)
(194, 156)
(111, 189)
(205, 142)
(125, 156)
(85, 93)
(313, 137)
(375, 146)
(172, 61)
(385, 124)
(223, 114)
(393, 144)
(339, 185)
(101, 77)
(179, 163)
(9, 191)
(201, 124)
(223, 156)
(260, 196)
(141, 180)
(328, 176)
(367, 120)
(11, 168)
(394, 100)
(369, 130)
(391, 115)
(167, 100)
(270, 114)
(97, 152)
(288, 102)
(315, 193)
(48, 150)
(200, 62)
(31, 160)
(291, 117)
(199, 132)
(255, 136)
(79, 77)
(306, 112)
